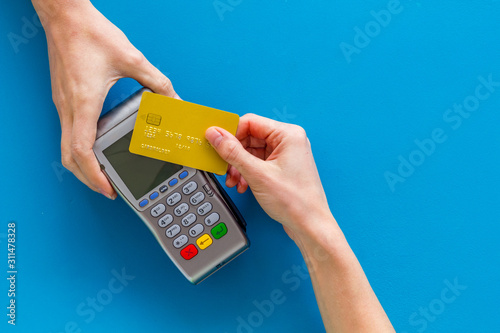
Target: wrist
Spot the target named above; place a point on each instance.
(320, 239)
(309, 220)
(317, 230)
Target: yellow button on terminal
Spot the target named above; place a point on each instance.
(204, 241)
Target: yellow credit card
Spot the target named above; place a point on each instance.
(172, 130)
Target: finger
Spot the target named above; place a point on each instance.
(242, 185)
(82, 141)
(231, 150)
(66, 127)
(251, 125)
(140, 69)
(233, 177)
(66, 158)
(79, 174)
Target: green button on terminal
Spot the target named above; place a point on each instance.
(219, 230)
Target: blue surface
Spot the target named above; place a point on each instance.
(363, 110)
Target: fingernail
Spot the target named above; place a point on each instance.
(213, 136)
(109, 196)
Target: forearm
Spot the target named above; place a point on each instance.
(345, 298)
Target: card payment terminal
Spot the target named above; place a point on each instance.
(187, 210)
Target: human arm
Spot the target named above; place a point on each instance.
(87, 56)
(275, 159)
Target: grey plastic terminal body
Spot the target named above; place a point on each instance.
(120, 121)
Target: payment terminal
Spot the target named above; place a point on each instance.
(187, 210)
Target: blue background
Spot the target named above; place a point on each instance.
(280, 59)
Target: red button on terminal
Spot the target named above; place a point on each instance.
(189, 252)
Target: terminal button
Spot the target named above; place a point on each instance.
(174, 198)
(212, 219)
(204, 241)
(143, 203)
(165, 220)
(153, 195)
(181, 209)
(158, 210)
(183, 174)
(205, 208)
(196, 230)
(163, 188)
(180, 241)
(173, 231)
(173, 182)
(189, 252)
(189, 188)
(219, 230)
(188, 220)
(197, 198)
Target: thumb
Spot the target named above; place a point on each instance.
(149, 76)
(231, 151)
